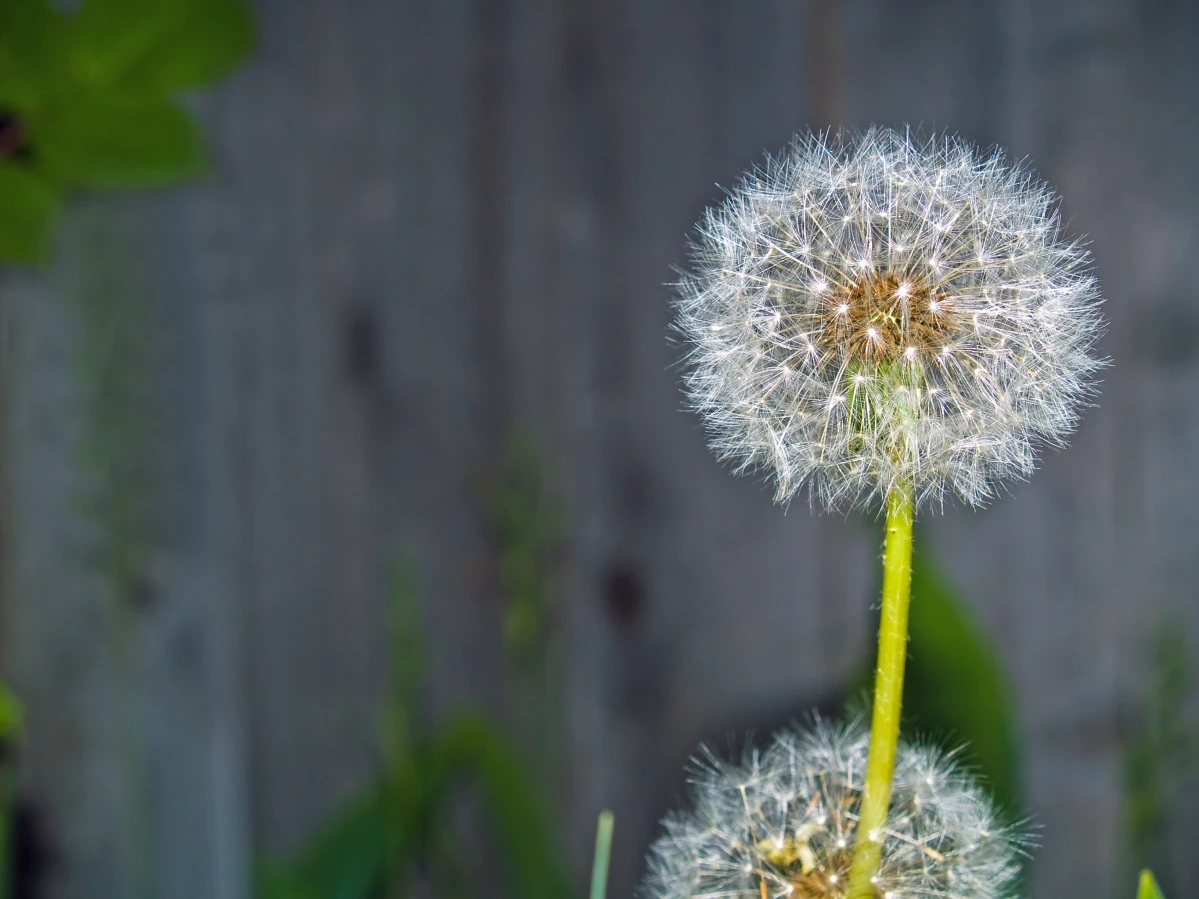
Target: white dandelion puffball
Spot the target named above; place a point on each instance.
(869, 311)
(782, 823)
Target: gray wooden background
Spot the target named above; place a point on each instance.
(436, 222)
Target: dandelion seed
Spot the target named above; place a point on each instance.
(977, 288)
(938, 843)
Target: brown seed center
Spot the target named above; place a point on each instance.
(888, 317)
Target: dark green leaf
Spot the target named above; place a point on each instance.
(1148, 888)
(274, 880)
(955, 686)
(371, 839)
(514, 806)
(347, 859)
(210, 39)
(106, 141)
(111, 37)
(32, 47)
(28, 216)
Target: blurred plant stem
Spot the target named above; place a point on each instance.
(888, 692)
(113, 455)
(528, 528)
(603, 855)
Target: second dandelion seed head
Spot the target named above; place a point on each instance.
(782, 823)
(873, 310)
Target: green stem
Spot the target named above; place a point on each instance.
(888, 693)
(603, 851)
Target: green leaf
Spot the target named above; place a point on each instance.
(1148, 888)
(113, 141)
(513, 802)
(209, 39)
(274, 880)
(955, 686)
(347, 859)
(29, 213)
(32, 48)
(110, 37)
(374, 837)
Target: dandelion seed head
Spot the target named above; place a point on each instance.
(937, 274)
(782, 821)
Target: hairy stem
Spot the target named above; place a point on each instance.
(888, 693)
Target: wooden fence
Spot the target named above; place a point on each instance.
(433, 224)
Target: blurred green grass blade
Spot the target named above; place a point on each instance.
(1148, 888)
(209, 38)
(110, 37)
(955, 687)
(29, 212)
(527, 847)
(603, 855)
(120, 141)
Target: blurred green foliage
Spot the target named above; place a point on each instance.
(10, 717)
(86, 100)
(955, 689)
(1165, 757)
(528, 528)
(377, 840)
(399, 828)
(114, 497)
(112, 365)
